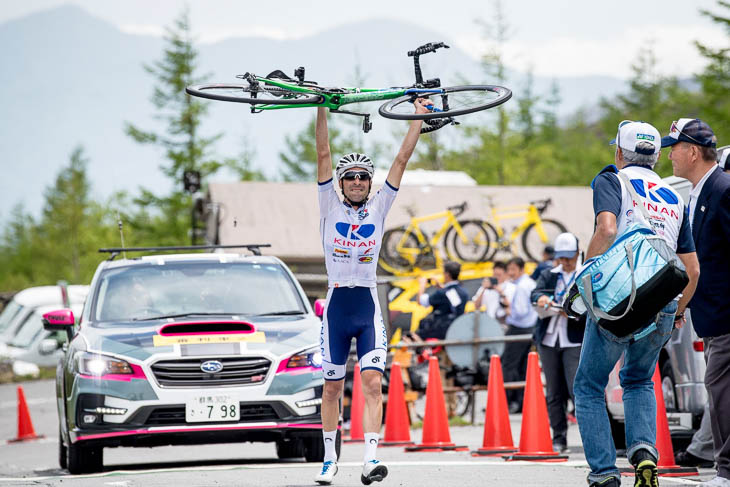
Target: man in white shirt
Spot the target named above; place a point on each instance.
(558, 338)
(521, 318)
(489, 295)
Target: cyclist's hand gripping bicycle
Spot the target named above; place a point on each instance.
(277, 91)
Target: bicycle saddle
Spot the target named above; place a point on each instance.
(279, 74)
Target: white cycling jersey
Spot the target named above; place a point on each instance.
(351, 238)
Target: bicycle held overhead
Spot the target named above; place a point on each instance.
(278, 91)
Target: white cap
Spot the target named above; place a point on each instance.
(630, 133)
(566, 245)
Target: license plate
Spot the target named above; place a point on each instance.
(201, 409)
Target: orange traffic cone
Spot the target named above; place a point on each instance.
(357, 407)
(436, 436)
(666, 466)
(397, 432)
(25, 425)
(535, 441)
(497, 430)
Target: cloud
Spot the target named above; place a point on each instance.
(564, 55)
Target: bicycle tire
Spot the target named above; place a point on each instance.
(244, 93)
(390, 255)
(402, 109)
(534, 246)
(493, 240)
(479, 243)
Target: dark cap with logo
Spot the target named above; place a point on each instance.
(692, 130)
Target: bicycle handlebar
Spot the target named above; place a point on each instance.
(426, 48)
(458, 209)
(542, 205)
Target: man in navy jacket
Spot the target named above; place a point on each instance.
(693, 157)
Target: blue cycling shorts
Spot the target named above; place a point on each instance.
(352, 312)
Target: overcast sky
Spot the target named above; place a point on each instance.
(555, 38)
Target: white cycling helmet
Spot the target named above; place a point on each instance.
(354, 159)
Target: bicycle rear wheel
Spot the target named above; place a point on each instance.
(533, 244)
(455, 100)
(245, 93)
(475, 246)
(400, 250)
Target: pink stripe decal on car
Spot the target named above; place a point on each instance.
(188, 429)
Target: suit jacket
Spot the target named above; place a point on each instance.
(710, 304)
(545, 285)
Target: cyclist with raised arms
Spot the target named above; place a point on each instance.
(352, 232)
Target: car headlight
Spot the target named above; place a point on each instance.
(101, 365)
(307, 358)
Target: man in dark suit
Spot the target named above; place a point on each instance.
(694, 157)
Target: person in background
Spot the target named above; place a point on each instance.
(520, 319)
(489, 295)
(448, 302)
(558, 337)
(637, 151)
(547, 262)
(694, 158)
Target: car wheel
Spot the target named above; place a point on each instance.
(668, 389)
(61, 450)
(314, 448)
(84, 459)
(289, 449)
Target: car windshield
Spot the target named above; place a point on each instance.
(144, 292)
(8, 314)
(28, 331)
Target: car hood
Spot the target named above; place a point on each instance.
(204, 337)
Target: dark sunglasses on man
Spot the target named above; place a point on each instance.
(361, 175)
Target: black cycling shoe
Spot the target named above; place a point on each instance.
(607, 482)
(686, 459)
(645, 469)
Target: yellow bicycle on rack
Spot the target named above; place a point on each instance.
(407, 248)
(535, 232)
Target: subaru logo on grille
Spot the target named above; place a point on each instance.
(211, 366)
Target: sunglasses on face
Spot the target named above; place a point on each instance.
(361, 175)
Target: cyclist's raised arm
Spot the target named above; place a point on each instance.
(409, 144)
(324, 158)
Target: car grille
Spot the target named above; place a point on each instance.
(176, 414)
(187, 373)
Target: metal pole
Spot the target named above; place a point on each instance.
(446, 343)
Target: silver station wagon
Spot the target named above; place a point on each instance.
(189, 349)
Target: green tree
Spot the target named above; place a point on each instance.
(715, 78)
(299, 156)
(166, 219)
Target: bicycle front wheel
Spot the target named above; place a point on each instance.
(533, 243)
(455, 100)
(259, 95)
(474, 245)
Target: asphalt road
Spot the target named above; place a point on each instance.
(35, 462)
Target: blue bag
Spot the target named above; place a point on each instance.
(627, 286)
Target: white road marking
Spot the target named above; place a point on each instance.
(309, 466)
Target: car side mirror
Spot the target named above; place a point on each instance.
(60, 320)
(319, 307)
(48, 346)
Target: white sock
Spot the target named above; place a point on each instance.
(371, 444)
(330, 453)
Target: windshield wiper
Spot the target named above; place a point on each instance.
(180, 315)
(282, 313)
